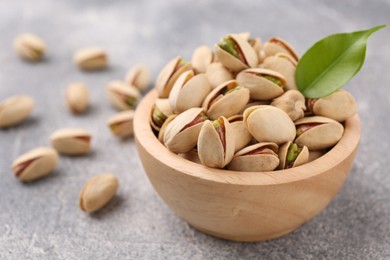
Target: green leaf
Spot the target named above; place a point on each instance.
(331, 62)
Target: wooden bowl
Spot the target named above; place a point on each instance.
(243, 206)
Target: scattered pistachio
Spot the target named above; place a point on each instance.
(71, 141)
(139, 76)
(15, 110)
(30, 47)
(121, 124)
(76, 98)
(91, 58)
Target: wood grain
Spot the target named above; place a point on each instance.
(243, 206)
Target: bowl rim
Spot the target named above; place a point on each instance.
(146, 138)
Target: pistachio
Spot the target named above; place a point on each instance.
(259, 157)
(122, 96)
(76, 98)
(263, 84)
(35, 164)
(256, 45)
(278, 45)
(29, 47)
(169, 75)
(160, 112)
(201, 58)
(292, 102)
(139, 76)
(339, 105)
(98, 191)
(217, 74)
(318, 132)
(71, 141)
(241, 134)
(182, 132)
(283, 64)
(14, 110)
(235, 53)
(216, 143)
(121, 124)
(189, 91)
(226, 100)
(291, 155)
(269, 124)
(163, 128)
(91, 58)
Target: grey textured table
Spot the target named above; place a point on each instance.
(41, 220)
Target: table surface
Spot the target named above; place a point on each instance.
(42, 220)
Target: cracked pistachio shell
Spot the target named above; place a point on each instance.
(283, 64)
(241, 134)
(192, 156)
(201, 58)
(76, 98)
(35, 164)
(256, 45)
(233, 63)
(224, 101)
(30, 47)
(189, 91)
(160, 112)
(169, 74)
(278, 45)
(139, 76)
(91, 59)
(302, 157)
(182, 132)
(163, 128)
(71, 141)
(318, 132)
(217, 74)
(269, 124)
(121, 124)
(260, 157)
(259, 86)
(339, 105)
(122, 96)
(98, 191)
(292, 102)
(216, 143)
(15, 110)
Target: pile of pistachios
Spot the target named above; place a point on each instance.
(238, 108)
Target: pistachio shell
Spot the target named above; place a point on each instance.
(233, 63)
(339, 106)
(182, 133)
(222, 103)
(302, 158)
(191, 156)
(292, 102)
(201, 58)
(259, 86)
(71, 141)
(77, 97)
(189, 91)
(121, 124)
(283, 64)
(35, 164)
(92, 58)
(318, 133)
(277, 45)
(122, 96)
(217, 74)
(269, 124)
(216, 147)
(30, 47)
(256, 45)
(160, 112)
(15, 110)
(139, 76)
(241, 134)
(259, 157)
(98, 191)
(163, 128)
(169, 75)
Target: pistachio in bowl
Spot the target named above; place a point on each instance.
(234, 159)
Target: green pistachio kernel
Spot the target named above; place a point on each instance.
(216, 123)
(274, 80)
(158, 117)
(292, 153)
(232, 90)
(131, 101)
(228, 45)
